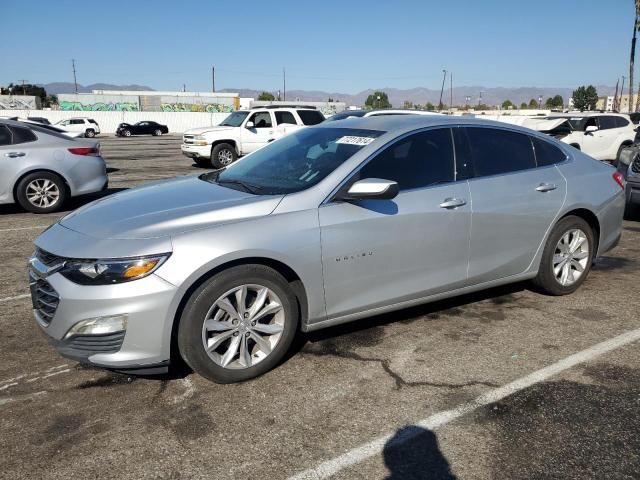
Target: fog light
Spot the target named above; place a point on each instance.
(99, 326)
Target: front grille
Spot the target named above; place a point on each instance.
(107, 343)
(47, 258)
(635, 166)
(44, 298)
(188, 139)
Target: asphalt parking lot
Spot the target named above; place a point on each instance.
(414, 394)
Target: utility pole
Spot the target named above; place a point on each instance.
(451, 92)
(213, 79)
(444, 72)
(621, 93)
(615, 97)
(480, 98)
(632, 57)
(75, 80)
(284, 84)
(24, 92)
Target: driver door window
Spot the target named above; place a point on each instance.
(261, 120)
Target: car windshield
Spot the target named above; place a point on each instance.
(234, 120)
(295, 162)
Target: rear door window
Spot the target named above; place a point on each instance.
(311, 117)
(285, 117)
(621, 122)
(495, 151)
(606, 122)
(547, 154)
(22, 135)
(77, 122)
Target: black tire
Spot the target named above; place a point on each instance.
(191, 322)
(157, 132)
(546, 280)
(23, 200)
(220, 150)
(90, 133)
(202, 162)
(622, 147)
(126, 133)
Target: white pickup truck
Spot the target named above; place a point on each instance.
(243, 132)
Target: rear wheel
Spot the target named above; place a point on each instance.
(567, 257)
(157, 133)
(41, 192)
(239, 324)
(90, 133)
(223, 155)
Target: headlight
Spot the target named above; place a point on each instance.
(199, 140)
(107, 272)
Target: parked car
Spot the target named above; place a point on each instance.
(330, 224)
(43, 120)
(243, 132)
(146, 127)
(87, 126)
(600, 135)
(375, 113)
(629, 167)
(40, 168)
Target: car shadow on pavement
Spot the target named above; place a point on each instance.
(413, 453)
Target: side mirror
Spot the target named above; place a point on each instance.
(372, 189)
(249, 125)
(590, 129)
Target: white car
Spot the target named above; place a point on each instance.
(243, 132)
(376, 113)
(88, 127)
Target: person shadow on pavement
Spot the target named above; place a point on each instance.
(413, 454)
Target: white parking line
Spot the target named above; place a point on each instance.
(24, 228)
(4, 401)
(17, 297)
(374, 447)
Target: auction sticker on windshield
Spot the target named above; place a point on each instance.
(353, 140)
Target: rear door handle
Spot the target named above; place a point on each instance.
(546, 187)
(14, 154)
(450, 203)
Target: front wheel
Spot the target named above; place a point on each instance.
(127, 133)
(157, 133)
(567, 257)
(223, 155)
(239, 324)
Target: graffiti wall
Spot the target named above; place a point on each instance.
(99, 106)
(196, 107)
(19, 102)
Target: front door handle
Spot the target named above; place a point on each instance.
(450, 203)
(546, 187)
(14, 154)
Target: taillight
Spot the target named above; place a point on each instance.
(90, 151)
(617, 176)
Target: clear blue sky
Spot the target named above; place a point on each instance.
(340, 46)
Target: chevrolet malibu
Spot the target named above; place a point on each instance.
(330, 224)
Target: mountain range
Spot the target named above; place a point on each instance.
(397, 97)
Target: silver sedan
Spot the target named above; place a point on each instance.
(41, 168)
(331, 224)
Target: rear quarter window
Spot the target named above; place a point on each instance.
(22, 135)
(547, 154)
(621, 122)
(310, 117)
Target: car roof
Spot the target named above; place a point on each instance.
(588, 114)
(406, 123)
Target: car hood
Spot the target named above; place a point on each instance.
(167, 208)
(201, 130)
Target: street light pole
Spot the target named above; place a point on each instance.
(444, 77)
(213, 78)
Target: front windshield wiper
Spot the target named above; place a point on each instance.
(254, 189)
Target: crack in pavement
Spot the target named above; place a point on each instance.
(397, 378)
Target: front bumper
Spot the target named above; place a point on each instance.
(196, 151)
(142, 347)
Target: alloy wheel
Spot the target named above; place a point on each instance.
(42, 193)
(570, 257)
(225, 156)
(243, 326)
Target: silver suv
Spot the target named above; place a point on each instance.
(330, 224)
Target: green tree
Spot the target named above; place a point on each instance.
(377, 100)
(558, 101)
(266, 97)
(533, 103)
(407, 104)
(524, 105)
(507, 104)
(585, 98)
(429, 106)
